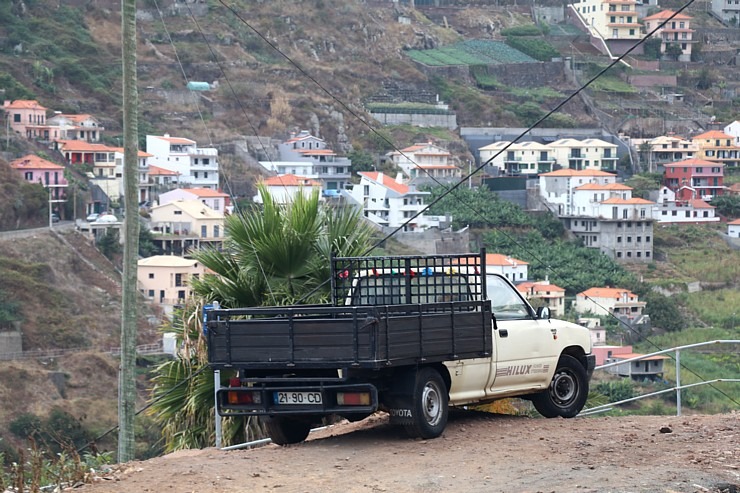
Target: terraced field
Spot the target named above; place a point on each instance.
(471, 52)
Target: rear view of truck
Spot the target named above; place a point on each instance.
(380, 344)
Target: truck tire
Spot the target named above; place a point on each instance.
(284, 431)
(429, 405)
(567, 392)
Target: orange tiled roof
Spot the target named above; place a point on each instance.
(525, 287)
(617, 200)
(503, 260)
(175, 140)
(83, 146)
(665, 14)
(713, 134)
(700, 204)
(290, 180)
(205, 192)
(692, 162)
(157, 171)
(32, 161)
(610, 186)
(75, 118)
(576, 172)
(736, 222)
(616, 293)
(386, 181)
(317, 152)
(25, 104)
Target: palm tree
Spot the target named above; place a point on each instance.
(274, 255)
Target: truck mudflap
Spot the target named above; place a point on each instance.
(292, 399)
(590, 365)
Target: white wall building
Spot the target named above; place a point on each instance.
(557, 186)
(733, 129)
(670, 209)
(425, 162)
(587, 154)
(197, 167)
(388, 202)
(606, 301)
(521, 158)
(733, 229)
(218, 201)
(284, 188)
(511, 268)
(165, 279)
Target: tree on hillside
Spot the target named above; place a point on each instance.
(274, 255)
(673, 51)
(727, 205)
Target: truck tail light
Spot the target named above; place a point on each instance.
(353, 398)
(244, 397)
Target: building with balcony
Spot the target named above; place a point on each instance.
(73, 127)
(425, 163)
(389, 203)
(306, 155)
(165, 279)
(544, 293)
(677, 31)
(587, 154)
(196, 167)
(694, 178)
(557, 187)
(24, 117)
(671, 208)
(718, 147)
(619, 302)
(665, 149)
(34, 169)
(284, 188)
(182, 225)
(525, 158)
(614, 21)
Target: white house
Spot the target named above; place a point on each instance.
(218, 201)
(74, 127)
(606, 301)
(426, 162)
(557, 187)
(388, 202)
(671, 209)
(184, 224)
(197, 167)
(550, 295)
(733, 129)
(511, 268)
(521, 158)
(319, 162)
(587, 154)
(733, 229)
(284, 188)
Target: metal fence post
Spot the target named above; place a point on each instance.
(216, 385)
(678, 382)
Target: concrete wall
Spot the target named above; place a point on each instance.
(10, 339)
(417, 119)
(528, 74)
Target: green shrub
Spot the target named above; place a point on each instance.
(538, 49)
(524, 30)
(617, 390)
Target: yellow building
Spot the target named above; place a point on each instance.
(165, 279)
(718, 147)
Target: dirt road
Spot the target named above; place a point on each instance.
(477, 453)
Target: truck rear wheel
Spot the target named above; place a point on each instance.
(567, 393)
(429, 405)
(284, 431)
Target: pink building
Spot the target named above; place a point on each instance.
(25, 116)
(37, 170)
(676, 31)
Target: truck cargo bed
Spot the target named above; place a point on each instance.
(348, 336)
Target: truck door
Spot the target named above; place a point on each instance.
(526, 347)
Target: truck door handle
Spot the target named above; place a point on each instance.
(503, 332)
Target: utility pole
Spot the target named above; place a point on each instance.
(127, 372)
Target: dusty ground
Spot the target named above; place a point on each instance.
(477, 453)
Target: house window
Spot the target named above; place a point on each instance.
(619, 254)
(639, 239)
(206, 161)
(17, 118)
(639, 254)
(150, 293)
(203, 231)
(647, 254)
(629, 254)
(178, 280)
(619, 239)
(629, 239)
(177, 213)
(216, 231)
(151, 275)
(28, 175)
(647, 239)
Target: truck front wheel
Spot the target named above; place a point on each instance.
(429, 405)
(567, 393)
(284, 431)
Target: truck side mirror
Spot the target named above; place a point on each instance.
(543, 313)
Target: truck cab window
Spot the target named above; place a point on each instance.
(506, 303)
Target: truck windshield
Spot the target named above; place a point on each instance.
(389, 289)
(506, 303)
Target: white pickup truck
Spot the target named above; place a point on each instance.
(410, 335)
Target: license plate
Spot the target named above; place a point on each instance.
(293, 398)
